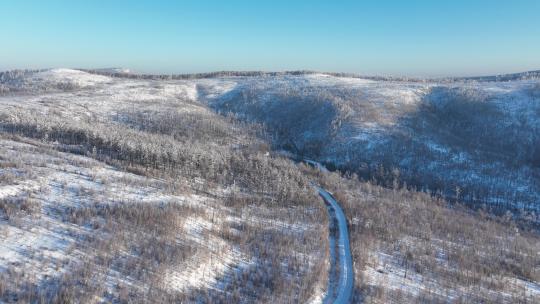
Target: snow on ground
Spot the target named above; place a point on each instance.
(44, 244)
(118, 95)
(387, 271)
(391, 272)
(344, 284)
(205, 268)
(332, 81)
(65, 180)
(69, 76)
(41, 244)
(214, 88)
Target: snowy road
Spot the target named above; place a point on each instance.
(341, 291)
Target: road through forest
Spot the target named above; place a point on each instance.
(341, 280)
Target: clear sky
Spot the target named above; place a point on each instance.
(417, 38)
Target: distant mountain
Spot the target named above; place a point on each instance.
(530, 75)
(114, 70)
(505, 77)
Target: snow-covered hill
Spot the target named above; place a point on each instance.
(117, 187)
(478, 142)
(116, 190)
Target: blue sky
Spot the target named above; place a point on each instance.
(417, 38)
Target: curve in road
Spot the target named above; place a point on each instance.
(345, 284)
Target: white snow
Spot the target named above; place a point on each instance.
(41, 244)
(79, 78)
(344, 287)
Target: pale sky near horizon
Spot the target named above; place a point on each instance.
(416, 38)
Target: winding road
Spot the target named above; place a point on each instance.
(341, 276)
(341, 281)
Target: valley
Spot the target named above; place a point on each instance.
(122, 187)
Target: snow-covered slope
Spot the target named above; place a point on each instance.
(81, 151)
(474, 141)
(68, 76)
(115, 190)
